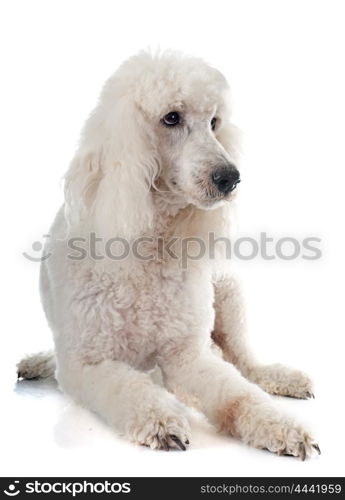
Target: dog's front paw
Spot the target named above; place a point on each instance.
(299, 444)
(285, 437)
(260, 424)
(284, 381)
(162, 431)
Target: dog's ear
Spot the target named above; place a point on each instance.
(228, 134)
(107, 187)
(230, 138)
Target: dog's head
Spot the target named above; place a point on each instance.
(162, 123)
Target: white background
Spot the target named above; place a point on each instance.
(285, 64)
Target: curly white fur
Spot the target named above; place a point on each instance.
(113, 320)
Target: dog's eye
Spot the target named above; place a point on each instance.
(171, 119)
(213, 123)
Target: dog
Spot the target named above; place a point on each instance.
(157, 162)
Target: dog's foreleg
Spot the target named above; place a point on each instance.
(229, 334)
(128, 400)
(234, 404)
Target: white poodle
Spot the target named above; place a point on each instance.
(152, 178)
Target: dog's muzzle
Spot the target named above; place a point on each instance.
(225, 178)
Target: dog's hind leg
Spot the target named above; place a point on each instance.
(39, 365)
(229, 334)
(128, 400)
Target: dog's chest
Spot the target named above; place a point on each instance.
(130, 319)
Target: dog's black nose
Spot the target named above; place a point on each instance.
(226, 178)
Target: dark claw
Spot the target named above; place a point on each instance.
(164, 444)
(301, 452)
(286, 454)
(317, 448)
(178, 442)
